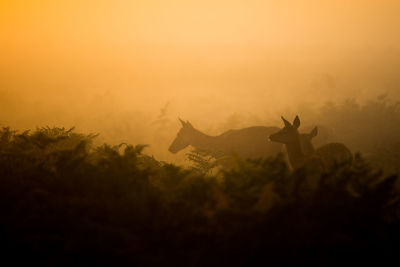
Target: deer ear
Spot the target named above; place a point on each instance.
(314, 132)
(296, 122)
(287, 124)
(189, 124)
(182, 122)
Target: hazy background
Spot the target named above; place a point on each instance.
(128, 69)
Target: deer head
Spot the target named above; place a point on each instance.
(288, 134)
(183, 138)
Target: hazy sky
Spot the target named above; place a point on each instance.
(65, 61)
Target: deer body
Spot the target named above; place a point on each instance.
(333, 153)
(301, 152)
(246, 143)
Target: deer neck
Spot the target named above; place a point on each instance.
(306, 145)
(203, 141)
(295, 153)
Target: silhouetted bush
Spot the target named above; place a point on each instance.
(65, 202)
(372, 128)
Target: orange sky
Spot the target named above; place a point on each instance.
(202, 56)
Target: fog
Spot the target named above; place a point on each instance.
(129, 69)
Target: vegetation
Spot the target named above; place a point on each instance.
(203, 161)
(66, 202)
(372, 128)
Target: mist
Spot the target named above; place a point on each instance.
(198, 133)
(129, 69)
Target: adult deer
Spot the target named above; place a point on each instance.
(301, 151)
(306, 141)
(246, 143)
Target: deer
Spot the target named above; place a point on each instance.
(247, 143)
(306, 141)
(301, 152)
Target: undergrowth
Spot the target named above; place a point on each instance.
(66, 202)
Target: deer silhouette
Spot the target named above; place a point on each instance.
(301, 151)
(248, 143)
(306, 141)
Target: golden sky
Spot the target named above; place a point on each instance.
(202, 56)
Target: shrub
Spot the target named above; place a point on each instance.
(66, 202)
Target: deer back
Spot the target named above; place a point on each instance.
(333, 153)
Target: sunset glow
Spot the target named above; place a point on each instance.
(202, 57)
